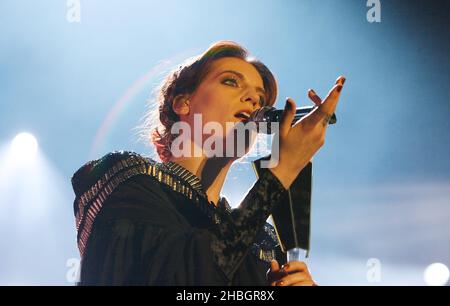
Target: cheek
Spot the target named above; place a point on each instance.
(213, 105)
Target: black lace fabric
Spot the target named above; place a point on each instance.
(239, 232)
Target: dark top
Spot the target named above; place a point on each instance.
(141, 222)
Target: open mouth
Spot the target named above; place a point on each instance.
(243, 116)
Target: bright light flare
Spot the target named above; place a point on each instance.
(436, 274)
(24, 146)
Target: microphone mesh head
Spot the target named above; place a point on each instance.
(263, 114)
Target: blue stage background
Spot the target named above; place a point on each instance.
(381, 183)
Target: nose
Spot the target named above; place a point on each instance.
(252, 97)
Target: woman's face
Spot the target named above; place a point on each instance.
(231, 91)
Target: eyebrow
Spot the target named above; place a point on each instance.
(241, 76)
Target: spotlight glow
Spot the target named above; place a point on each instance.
(436, 274)
(24, 146)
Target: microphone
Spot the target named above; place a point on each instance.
(270, 114)
(292, 220)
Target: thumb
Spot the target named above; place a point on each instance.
(287, 117)
(272, 273)
(274, 266)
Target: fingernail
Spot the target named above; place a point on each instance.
(280, 283)
(339, 88)
(312, 91)
(288, 104)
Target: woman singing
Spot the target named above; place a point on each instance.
(143, 222)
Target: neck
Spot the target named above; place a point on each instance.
(211, 171)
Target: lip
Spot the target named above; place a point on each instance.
(244, 110)
(242, 120)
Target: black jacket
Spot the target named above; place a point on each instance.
(141, 222)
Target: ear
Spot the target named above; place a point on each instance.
(181, 105)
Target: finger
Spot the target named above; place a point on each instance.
(324, 111)
(274, 277)
(294, 266)
(309, 283)
(274, 274)
(314, 97)
(329, 103)
(294, 279)
(287, 117)
(274, 266)
(340, 80)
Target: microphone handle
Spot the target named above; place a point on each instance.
(275, 116)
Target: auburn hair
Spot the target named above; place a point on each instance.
(186, 78)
